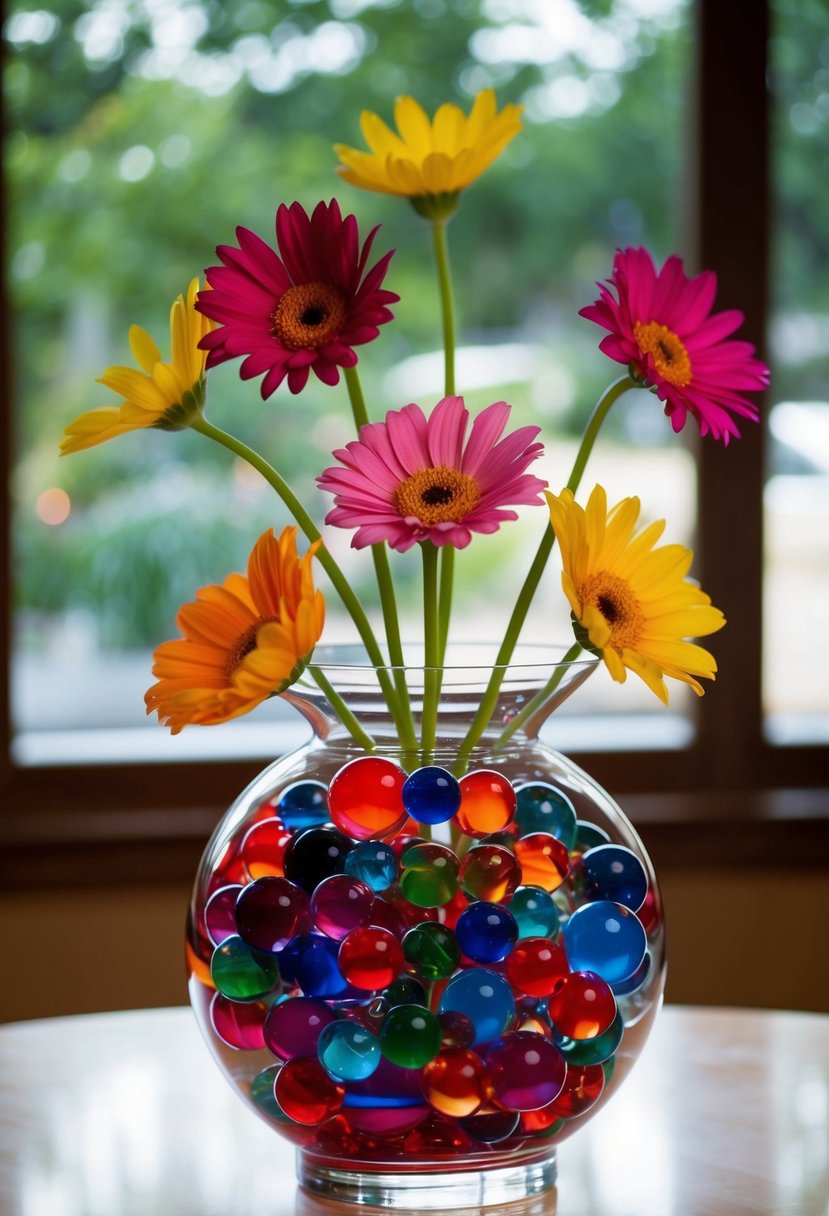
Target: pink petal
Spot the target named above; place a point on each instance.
(486, 429)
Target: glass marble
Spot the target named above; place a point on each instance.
(241, 973)
(544, 860)
(410, 1036)
(293, 1027)
(219, 918)
(238, 1025)
(491, 1127)
(588, 836)
(365, 798)
(429, 877)
(456, 1029)
(310, 962)
(489, 871)
(487, 802)
(306, 1093)
(370, 957)
(634, 982)
(454, 1082)
(607, 938)
(270, 912)
(347, 1051)
(525, 1071)
(341, 903)
(374, 862)
(536, 966)
(484, 997)
(405, 990)
(263, 848)
(583, 1006)
(263, 1096)
(582, 1089)
(535, 912)
(486, 932)
(303, 805)
(432, 951)
(541, 807)
(580, 1052)
(431, 794)
(315, 854)
(613, 872)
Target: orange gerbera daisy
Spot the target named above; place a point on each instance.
(244, 641)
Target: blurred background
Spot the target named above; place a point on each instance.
(142, 132)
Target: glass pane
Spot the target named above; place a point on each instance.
(172, 126)
(796, 592)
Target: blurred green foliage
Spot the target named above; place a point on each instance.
(141, 133)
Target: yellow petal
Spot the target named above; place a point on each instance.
(144, 349)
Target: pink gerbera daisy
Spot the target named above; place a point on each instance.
(306, 306)
(408, 479)
(661, 325)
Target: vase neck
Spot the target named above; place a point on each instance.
(522, 698)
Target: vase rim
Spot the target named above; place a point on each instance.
(530, 657)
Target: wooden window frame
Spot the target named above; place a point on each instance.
(729, 798)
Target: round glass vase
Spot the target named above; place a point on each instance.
(426, 968)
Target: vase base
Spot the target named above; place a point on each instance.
(430, 1190)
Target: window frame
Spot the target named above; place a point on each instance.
(730, 796)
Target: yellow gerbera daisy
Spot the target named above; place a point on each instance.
(244, 641)
(429, 162)
(165, 395)
(631, 602)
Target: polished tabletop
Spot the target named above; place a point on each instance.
(125, 1114)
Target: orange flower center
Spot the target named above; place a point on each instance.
(308, 316)
(670, 357)
(437, 495)
(244, 644)
(619, 607)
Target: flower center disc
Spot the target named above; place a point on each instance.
(619, 607)
(437, 495)
(670, 357)
(308, 315)
(244, 644)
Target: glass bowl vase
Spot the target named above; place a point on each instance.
(426, 964)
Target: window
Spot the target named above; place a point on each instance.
(612, 120)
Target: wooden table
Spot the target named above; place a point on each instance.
(125, 1114)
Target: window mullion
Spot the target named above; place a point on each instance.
(731, 233)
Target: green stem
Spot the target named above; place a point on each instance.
(447, 580)
(602, 408)
(312, 532)
(341, 709)
(446, 303)
(525, 596)
(431, 674)
(540, 697)
(385, 584)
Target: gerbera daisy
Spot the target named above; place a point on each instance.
(408, 479)
(244, 641)
(164, 395)
(429, 162)
(661, 325)
(305, 307)
(631, 602)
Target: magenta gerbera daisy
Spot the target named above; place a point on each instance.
(410, 479)
(662, 326)
(305, 307)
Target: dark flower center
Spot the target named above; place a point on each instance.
(437, 495)
(670, 357)
(308, 316)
